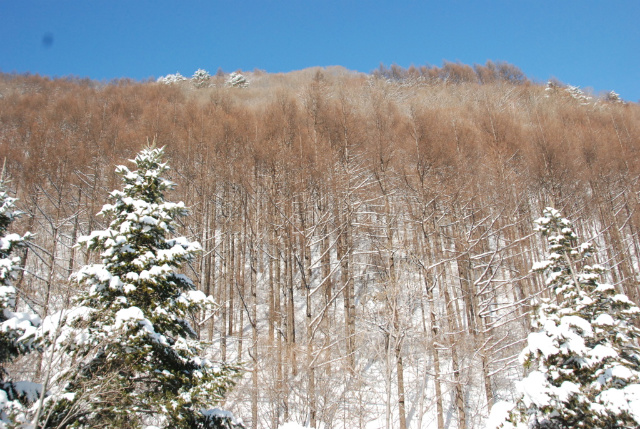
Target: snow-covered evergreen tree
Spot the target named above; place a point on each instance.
(237, 80)
(171, 79)
(552, 88)
(200, 78)
(136, 360)
(578, 94)
(14, 396)
(613, 97)
(584, 361)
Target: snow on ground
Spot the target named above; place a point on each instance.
(293, 425)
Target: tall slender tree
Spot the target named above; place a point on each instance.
(13, 325)
(584, 357)
(136, 360)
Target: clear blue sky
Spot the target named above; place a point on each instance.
(587, 43)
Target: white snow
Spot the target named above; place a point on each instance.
(3, 398)
(566, 390)
(171, 78)
(577, 322)
(499, 414)
(19, 321)
(603, 287)
(621, 372)
(534, 388)
(126, 314)
(293, 425)
(29, 390)
(621, 400)
(538, 341)
(135, 314)
(542, 265)
(601, 352)
(604, 320)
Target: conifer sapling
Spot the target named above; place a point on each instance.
(14, 396)
(136, 360)
(583, 359)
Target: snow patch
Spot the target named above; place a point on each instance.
(539, 341)
(28, 390)
(499, 415)
(540, 266)
(534, 388)
(604, 320)
(293, 425)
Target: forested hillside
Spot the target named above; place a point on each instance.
(368, 239)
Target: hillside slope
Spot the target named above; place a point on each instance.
(369, 239)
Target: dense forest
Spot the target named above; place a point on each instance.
(368, 239)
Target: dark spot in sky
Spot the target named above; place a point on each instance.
(47, 40)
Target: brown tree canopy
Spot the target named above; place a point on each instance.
(368, 238)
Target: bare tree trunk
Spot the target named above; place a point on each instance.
(453, 327)
(291, 317)
(225, 279)
(74, 238)
(254, 338)
(326, 266)
(271, 299)
(241, 291)
(280, 384)
(347, 284)
(231, 285)
(50, 275)
(435, 354)
(210, 285)
(311, 377)
(400, 380)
